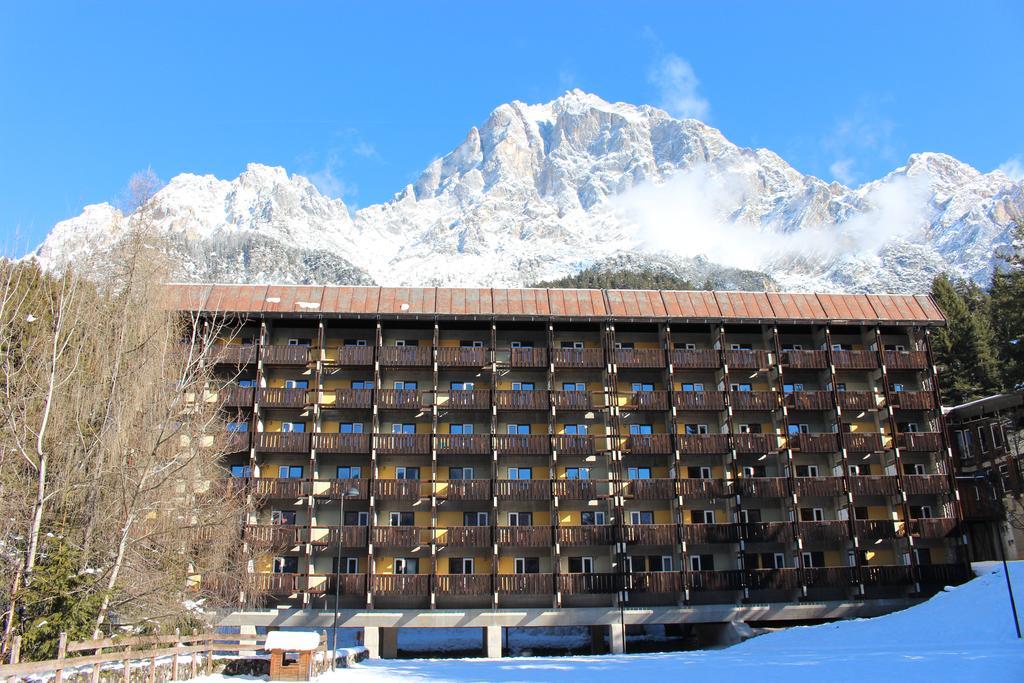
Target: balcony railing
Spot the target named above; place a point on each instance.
(762, 487)
(814, 443)
(926, 484)
(402, 443)
(468, 489)
(521, 400)
(821, 487)
(281, 398)
(466, 444)
(862, 442)
(647, 400)
(527, 358)
(353, 356)
(702, 444)
(573, 444)
(747, 360)
(522, 444)
(855, 360)
(696, 359)
(400, 536)
(805, 360)
(647, 444)
(649, 489)
(588, 584)
(351, 584)
(233, 442)
(525, 584)
(712, 580)
(572, 400)
(462, 357)
(772, 579)
(640, 358)
(577, 489)
(278, 584)
(337, 487)
(236, 397)
(233, 354)
(341, 443)
(603, 534)
(655, 582)
(877, 529)
(809, 400)
(524, 536)
(913, 400)
(463, 584)
(699, 400)
(278, 536)
(711, 533)
(827, 531)
(933, 527)
(405, 356)
(463, 399)
(887, 575)
(281, 442)
(577, 358)
(874, 485)
(353, 398)
(829, 577)
(756, 443)
(400, 584)
(704, 489)
(398, 489)
(650, 534)
(285, 355)
(920, 441)
(857, 400)
(768, 532)
(753, 400)
(906, 360)
(943, 574)
(465, 537)
(522, 489)
(403, 399)
(350, 536)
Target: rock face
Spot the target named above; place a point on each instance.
(541, 191)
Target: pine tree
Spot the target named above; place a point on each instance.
(1007, 311)
(964, 348)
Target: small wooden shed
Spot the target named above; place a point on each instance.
(292, 654)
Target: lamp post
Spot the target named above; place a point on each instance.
(350, 491)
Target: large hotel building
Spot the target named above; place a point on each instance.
(588, 453)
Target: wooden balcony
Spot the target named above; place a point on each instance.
(281, 398)
(805, 360)
(350, 536)
(400, 584)
(855, 360)
(232, 486)
(524, 536)
(825, 532)
(702, 444)
(578, 489)
(762, 487)
(236, 397)
(933, 527)
(466, 399)
(528, 358)
(603, 534)
(522, 444)
(695, 359)
(703, 489)
(573, 400)
(351, 584)
(699, 400)
(400, 536)
(281, 442)
(588, 584)
(465, 537)
(521, 400)
(913, 400)
(920, 441)
(650, 534)
(353, 398)
(772, 579)
(462, 444)
(573, 444)
(647, 400)
(354, 356)
(874, 485)
(463, 584)
(233, 354)
(887, 575)
(277, 584)
(863, 442)
(341, 443)
(829, 577)
(405, 356)
(577, 358)
(399, 399)
(648, 444)
(753, 400)
(233, 442)
(810, 400)
(654, 582)
(649, 489)
(398, 489)
(857, 400)
(522, 489)
(926, 484)
(877, 529)
(337, 487)
(639, 358)
(712, 580)
(747, 360)
(462, 357)
(524, 584)
(468, 489)
(285, 355)
(906, 360)
(756, 443)
(814, 443)
(767, 532)
(820, 487)
(276, 536)
(943, 574)
(402, 443)
(980, 509)
(711, 533)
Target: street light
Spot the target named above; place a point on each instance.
(988, 479)
(350, 491)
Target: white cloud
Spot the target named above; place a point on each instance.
(365, 149)
(328, 181)
(863, 134)
(842, 170)
(678, 84)
(1014, 168)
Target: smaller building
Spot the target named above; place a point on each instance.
(988, 439)
(295, 655)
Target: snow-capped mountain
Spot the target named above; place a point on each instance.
(541, 191)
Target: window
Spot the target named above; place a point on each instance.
(405, 384)
(814, 559)
(909, 427)
(920, 511)
(750, 429)
(460, 473)
(592, 517)
(362, 384)
(982, 441)
(282, 517)
(914, 468)
(403, 428)
(300, 341)
(571, 344)
(641, 429)
(842, 347)
(286, 565)
(665, 564)
(641, 517)
(247, 383)
(695, 429)
(522, 386)
(740, 387)
(799, 429)
(997, 435)
(639, 472)
(518, 429)
(350, 472)
(689, 346)
(857, 470)
(790, 388)
(897, 387)
(581, 565)
(755, 471)
(741, 347)
(792, 347)
(701, 472)
(860, 512)
(351, 427)
(476, 518)
(624, 345)
(806, 470)
(241, 471)
(462, 386)
(293, 427)
(354, 342)
(840, 386)
(526, 565)
(407, 342)
(702, 516)
(401, 519)
(574, 386)
(289, 472)
(705, 563)
(642, 386)
(349, 565)
(407, 473)
(520, 519)
(693, 386)
(576, 429)
(521, 344)
(471, 344)
(357, 518)
(460, 429)
(577, 473)
(460, 565)
(407, 565)
(238, 427)
(750, 515)
(812, 515)
(520, 473)
(923, 555)
(296, 384)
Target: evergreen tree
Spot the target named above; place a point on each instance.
(964, 347)
(1007, 311)
(594, 278)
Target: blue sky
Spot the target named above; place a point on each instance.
(361, 98)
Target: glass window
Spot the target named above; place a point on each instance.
(576, 429)
(238, 426)
(350, 472)
(520, 473)
(581, 565)
(460, 429)
(527, 565)
(247, 383)
(642, 386)
(357, 518)
(522, 386)
(460, 473)
(362, 384)
(282, 517)
(695, 429)
(241, 471)
(641, 517)
(574, 386)
(289, 472)
(639, 472)
(297, 427)
(640, 429)
(577, 473)
(406, 428)
(296, 384)
(407, 473)
(520, 518)
(405, 384)
(518, 429)
(354, 342)
(401, 519)
(462, 386)
(693, 386)
(591, 517)
(286, 565)
(351, 427)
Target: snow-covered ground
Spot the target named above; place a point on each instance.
(963, 634)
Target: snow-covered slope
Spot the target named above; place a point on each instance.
(540, 191)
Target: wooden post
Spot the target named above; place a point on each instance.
(96, 667)
(209, 655)
(152, 670)
(126, 672)
(192, 664)
(62, 651)
(174, 657)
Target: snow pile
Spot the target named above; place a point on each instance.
(293, 641)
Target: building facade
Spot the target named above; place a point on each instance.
(492, 449)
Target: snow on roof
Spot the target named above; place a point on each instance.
(293, 641)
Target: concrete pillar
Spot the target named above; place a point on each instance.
(247, 636)
(597, 639)
(371, 640)
(492, 642)
(616, 638)
(389, 643)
